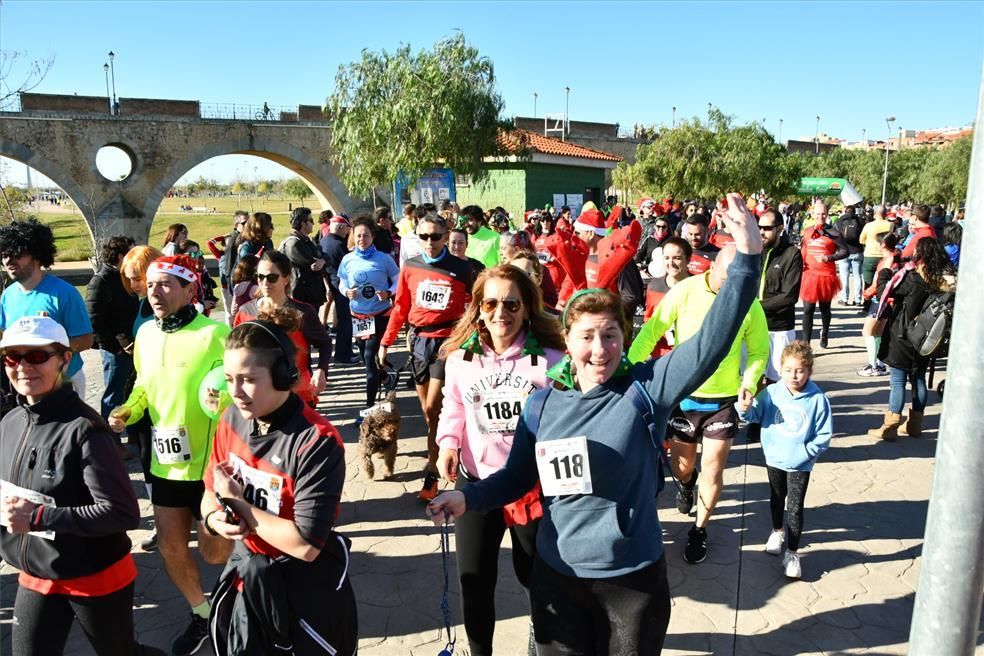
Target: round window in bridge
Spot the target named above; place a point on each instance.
(114, 163)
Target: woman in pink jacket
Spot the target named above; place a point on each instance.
(497, 355)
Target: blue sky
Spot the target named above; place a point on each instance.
(851, 63)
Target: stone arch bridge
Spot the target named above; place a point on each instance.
(59, 136)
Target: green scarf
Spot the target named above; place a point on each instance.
(475, 346)
(563, 371)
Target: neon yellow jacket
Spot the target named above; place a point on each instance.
(683, 309)
(484, 246)
(170, 368)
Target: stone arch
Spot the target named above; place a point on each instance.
(55, 173)
(319, 174)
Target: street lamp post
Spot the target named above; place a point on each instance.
(112, 72)
(674, 117)
(817, 137)
(106, 73)
(567, 113)
(780, 131)
(888, 121)
(535, 96)
(864, 138)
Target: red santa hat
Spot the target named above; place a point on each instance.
(180, 266)
(591, 221)
(646, 202)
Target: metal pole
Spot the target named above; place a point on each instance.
(951, 580)
(106, 73)
(864, 138)
(888, 121)
(535, 94)
(780, 131)
(567, 113)
(112, 73)
(674, 117)
(817, 138)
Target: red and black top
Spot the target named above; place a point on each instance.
(655, 291)
(702, 258)
(430, 295)
(295, 471)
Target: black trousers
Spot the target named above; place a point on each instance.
(600, 617)
(808, 310)
(788, 489)
(477, 538)
(368, 353)
(42, 623)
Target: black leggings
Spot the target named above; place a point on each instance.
(788, 488)
(626, 614)
(478, 537)
(368, 351)
(808, 310)
(42, 623)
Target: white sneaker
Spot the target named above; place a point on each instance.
(774, 544)
(791, 565)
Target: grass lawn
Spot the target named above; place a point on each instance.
(74, 242)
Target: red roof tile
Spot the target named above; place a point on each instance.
(518, 140)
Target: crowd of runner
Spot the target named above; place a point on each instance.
(552, 356)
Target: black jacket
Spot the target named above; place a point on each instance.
(111, 309)
(909, 296)
(784, 270)
(62, 448)
(334, 249)
(309, 285)
(850, 226)
(285, 605)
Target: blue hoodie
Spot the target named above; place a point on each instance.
(796, 428)
(615, 529)
(368, 272)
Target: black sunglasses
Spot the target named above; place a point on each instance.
(510, 304)
(661, 226)
(269, 277)
(432, 236)
(768, 228)
(35, 357)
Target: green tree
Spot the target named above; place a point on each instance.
(263, 188)
(297, 188)
(703, 160)
(945, 174)
(399, 114)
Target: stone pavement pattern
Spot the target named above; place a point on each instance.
(865, 518)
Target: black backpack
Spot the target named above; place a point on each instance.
(929, 330)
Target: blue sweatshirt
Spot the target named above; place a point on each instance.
(796, 428)
(615, 530)
(368, 272)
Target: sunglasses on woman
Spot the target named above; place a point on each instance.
(269, 277)
(34, 357)
(661, 226)
(509, 304)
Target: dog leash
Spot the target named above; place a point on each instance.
(445, 606)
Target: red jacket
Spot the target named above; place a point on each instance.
(921, 233)
(431, 296)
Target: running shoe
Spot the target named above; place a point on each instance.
(881, 370)
(774, 544)
(685, 500)
(867, 371)
(791, 565)
(149, 543)
(823, 340)
(696, 550)
(429, 491)
(193, 637)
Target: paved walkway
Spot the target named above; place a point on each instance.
(865, 519)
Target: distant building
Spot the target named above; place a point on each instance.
(535, 170)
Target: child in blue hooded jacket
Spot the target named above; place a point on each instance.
(796, 428)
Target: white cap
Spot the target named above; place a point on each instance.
(34, 331)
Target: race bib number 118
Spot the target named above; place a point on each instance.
(564, 466)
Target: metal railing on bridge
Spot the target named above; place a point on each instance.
(236, 112)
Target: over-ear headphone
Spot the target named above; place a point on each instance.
(283, 373)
